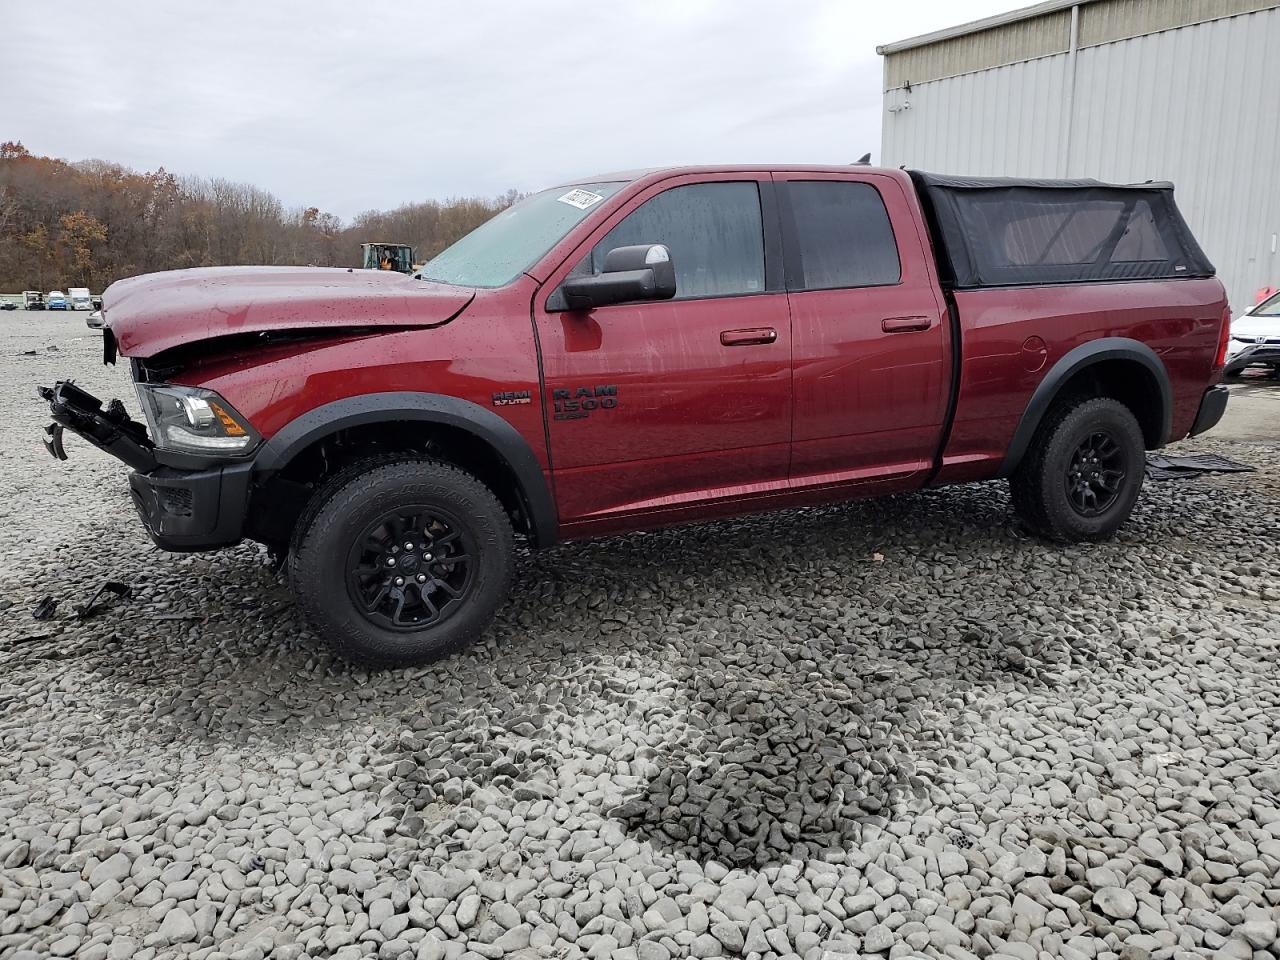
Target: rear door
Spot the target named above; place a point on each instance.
(869, 330)
(655, 406)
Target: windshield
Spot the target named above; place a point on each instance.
(499, 250)
(1267, 308)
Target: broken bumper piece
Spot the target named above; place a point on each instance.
(109, 429)
(182, 509)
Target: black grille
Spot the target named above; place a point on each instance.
(175, 500)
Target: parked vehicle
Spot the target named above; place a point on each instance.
(79, 298)
(94, 321)
(387, 256)
(8, 305)
(704, 342)
(32, 300)
(95, 302)
(56, 300)
(1255, 338)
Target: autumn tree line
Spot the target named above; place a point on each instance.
(89, 223)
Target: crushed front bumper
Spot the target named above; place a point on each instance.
(193, 509)
(1255, 353)
(109, 429)
(182, 509)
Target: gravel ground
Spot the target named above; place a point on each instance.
(899, 728)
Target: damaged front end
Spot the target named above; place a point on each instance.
(110, 429)
(195, 506)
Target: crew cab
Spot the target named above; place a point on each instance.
(651, 348)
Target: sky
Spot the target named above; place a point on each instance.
(356, 106)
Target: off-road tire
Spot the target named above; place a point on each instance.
(1039, 485)
(335, 518)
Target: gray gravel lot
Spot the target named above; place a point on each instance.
(899, 728)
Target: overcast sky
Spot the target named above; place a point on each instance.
(358, 105)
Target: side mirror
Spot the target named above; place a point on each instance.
(643, 271)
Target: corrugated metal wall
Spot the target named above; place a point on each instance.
(1198, 105)
(1008, 117)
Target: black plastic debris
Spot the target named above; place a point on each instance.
(1161, 467)
(45, 609)
(92, 608)
(54, 442)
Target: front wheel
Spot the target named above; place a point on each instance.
(1083, 471)
(399, 563)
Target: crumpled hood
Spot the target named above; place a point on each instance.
(155, 312)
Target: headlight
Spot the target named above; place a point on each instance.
(192, 420)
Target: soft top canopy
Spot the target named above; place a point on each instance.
(1002, 231)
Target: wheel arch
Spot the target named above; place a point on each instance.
(1119, 367)
(452, 415)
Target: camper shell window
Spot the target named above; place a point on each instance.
(1005, 232)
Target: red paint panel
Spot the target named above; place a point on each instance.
(486, 350)
(694, 414)
(728, 502)
(158, 311)
(872, 364)
(1178, 319)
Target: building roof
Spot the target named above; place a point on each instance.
(1044, 30)
(977, 26)
(1129, 18)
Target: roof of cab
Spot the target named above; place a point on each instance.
(663, 173)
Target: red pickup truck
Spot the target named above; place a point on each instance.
(652, 348)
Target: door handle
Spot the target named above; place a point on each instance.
(905, 324)
(742, 338)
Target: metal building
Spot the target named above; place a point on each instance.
(1120, 90)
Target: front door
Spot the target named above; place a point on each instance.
(652, 406)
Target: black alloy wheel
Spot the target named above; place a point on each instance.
(1096, 474)
(411, 568)
(1082, 472)
(399, 561)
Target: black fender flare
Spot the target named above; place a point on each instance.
(504, 439)
(1075, 361)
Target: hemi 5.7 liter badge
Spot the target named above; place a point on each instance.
(509, 398)
(575, 403)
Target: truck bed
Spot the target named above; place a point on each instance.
(1011, 336)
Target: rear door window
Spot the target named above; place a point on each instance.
(842, 236)
(714, 231)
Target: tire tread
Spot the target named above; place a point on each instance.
(1028, 487)
(357, 484)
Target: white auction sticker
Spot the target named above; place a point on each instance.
(582, 199)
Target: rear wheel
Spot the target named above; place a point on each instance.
(1083, 471)
(401, 562)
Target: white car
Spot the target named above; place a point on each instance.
(1255, 338)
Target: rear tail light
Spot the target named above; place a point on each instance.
(1224, 338)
